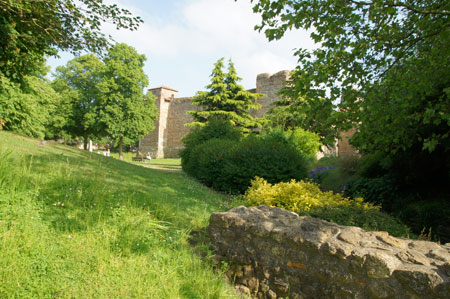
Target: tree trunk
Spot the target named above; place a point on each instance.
(120, 148)
(86, 140)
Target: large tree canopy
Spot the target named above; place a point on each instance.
(78, 83)
(31, 29)
(30, 110)
(106, 97)
(125, 111)
(374, 55)
(360, 40)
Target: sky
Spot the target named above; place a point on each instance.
(182, 39)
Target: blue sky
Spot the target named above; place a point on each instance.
(183, 38)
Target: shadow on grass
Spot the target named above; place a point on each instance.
(85, 189)
(167, 166)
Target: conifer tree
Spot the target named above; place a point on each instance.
(226, 99)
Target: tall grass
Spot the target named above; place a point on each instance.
(80, 225)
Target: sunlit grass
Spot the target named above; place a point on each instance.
(169, 164)
(80, 225)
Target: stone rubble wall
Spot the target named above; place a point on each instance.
(273, 253)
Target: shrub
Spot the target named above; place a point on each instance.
(217, 156)
(372, 165)
(307, 199)
(432, 217)
(213, 129)
(210, 158)
(307, 143)
(265, 157)
(411, 185)
(380, 190)
(348, 164)
(334, 173)
(317, 174)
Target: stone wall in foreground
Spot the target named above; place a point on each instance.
(275, 253)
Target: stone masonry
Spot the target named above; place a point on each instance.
(274, 253)
(165, 140)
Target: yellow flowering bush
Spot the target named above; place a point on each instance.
(299, 196)
(306, 198)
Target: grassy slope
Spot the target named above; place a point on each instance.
(171, 164)
(75, 224)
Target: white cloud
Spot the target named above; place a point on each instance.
(207, 30)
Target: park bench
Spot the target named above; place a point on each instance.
(140, 157)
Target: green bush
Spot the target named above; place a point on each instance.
(264, 157)
(334, 173)
(411, 185)
(348, 164)
(213, 129)
(217, 156)
(380, 190)
(307, 143)
(372, 165)
(307, 199)
(209, 159)
(432, 217)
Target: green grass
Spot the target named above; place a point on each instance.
(174, 164)
(80, 225)
(168, 164)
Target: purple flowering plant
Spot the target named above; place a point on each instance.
(317, 174)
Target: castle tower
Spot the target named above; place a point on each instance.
(269, 85)
(155, 141)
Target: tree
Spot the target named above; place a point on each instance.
(313, 115)
(29, 110)
(125, 111)
(32, 29)
(368, 47)
(226, 99)
(78, 83)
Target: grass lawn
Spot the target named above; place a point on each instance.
(75, 224)
(168, 164)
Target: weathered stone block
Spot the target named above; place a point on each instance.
(319, 259)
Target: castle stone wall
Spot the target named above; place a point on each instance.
(149, 144)
(269, 85)
(156, 141)
(165, 140)
(177, 119)
(344, 147)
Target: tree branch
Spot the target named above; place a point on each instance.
(405, 5)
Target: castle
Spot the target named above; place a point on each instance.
(165, 140)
